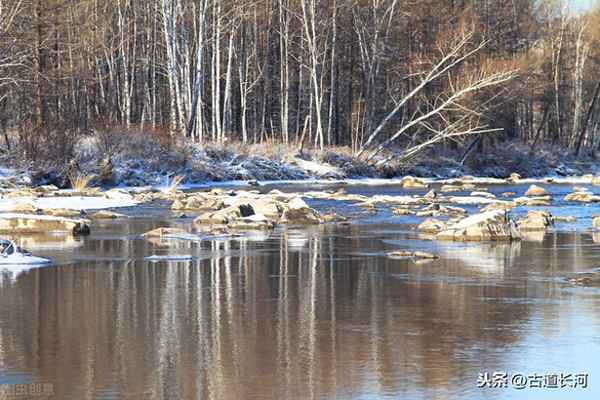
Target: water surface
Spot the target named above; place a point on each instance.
(311, 313)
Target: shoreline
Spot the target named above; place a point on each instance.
(201, 167)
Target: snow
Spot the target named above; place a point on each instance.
(384, 182)
(476, 219)
(318, 169)
(70, 203)
(20, 259)
(36, 217)
(468, 200)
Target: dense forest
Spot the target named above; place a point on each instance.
(367, 74)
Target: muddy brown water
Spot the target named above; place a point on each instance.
(302, 313)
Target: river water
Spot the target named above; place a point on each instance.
(303, 313)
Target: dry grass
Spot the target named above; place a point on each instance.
(80, 181)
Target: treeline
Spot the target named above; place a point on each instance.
(370, 74)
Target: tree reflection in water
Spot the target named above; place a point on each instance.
(298, 315)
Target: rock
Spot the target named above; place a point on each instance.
(422, 254)
(118, 194)
(483, 194)
(514, 178)
(107, 173)
(489, 226)
(298, 212)
(28, 208)
(410, 182)
(534, 191)
(162, 232)
(45, 189)
(106, 215)
(501, 205)
(431, 225)
(469, 200)
(596, 222)
(533, 201)
(62, 212)
(431, 195)
(596, 180)
(334, 218)
(402, 200)
(402, 211)
(508, 194)
(253, 222)
(583, 281)
(220, 217)
(49, 176)
(198, 202)
(565, 219)
(28, 223)
(582, 197)
(535, 221)
(268, 207)
(451, 188)
(411, 254)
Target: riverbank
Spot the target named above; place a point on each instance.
(142, 162)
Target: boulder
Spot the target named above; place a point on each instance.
(431, 225)
(268, 207)
(451, 188)
(534, 191)
(220, 217)
(596, 222)
(501, 205)
(107, 173)
(535, 221)
(62, 212)
(483, 194)
(569, 218)
(117, 194)
(493, 225)
(412, 255)
(401, 200)
(46, 189)
(253, 222)
(410, 182)
(540, 201)
(162, 232)
(297, 212)
(431, 195)
(596, 180)
(582, 197)
(402, 211)
(103, 214)
(514, 178)
(334, 218)
(28, 208)
(29, 223)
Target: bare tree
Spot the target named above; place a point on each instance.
(452, 55)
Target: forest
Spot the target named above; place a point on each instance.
(384, 79)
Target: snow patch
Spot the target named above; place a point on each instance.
(70, 203)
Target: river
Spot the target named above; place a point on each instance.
(303, 313)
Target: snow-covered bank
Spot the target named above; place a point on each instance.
(146, 164)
